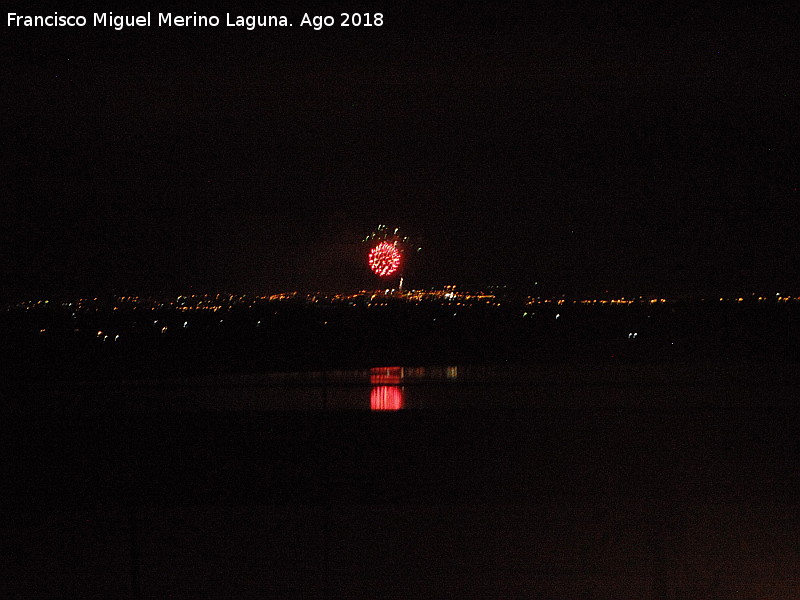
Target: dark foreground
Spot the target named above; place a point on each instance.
(692, 496)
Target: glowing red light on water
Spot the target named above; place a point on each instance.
(384, 259)
(386, 393)
(386, 397)
(385, 375)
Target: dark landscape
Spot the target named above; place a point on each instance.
(97, 339)
(561, 458)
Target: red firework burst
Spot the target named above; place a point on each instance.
(384, 259)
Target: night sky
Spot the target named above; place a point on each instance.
(584, 149)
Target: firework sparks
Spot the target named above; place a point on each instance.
(384, 259)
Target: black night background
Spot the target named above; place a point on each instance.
(583, 386)
(621, 149)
